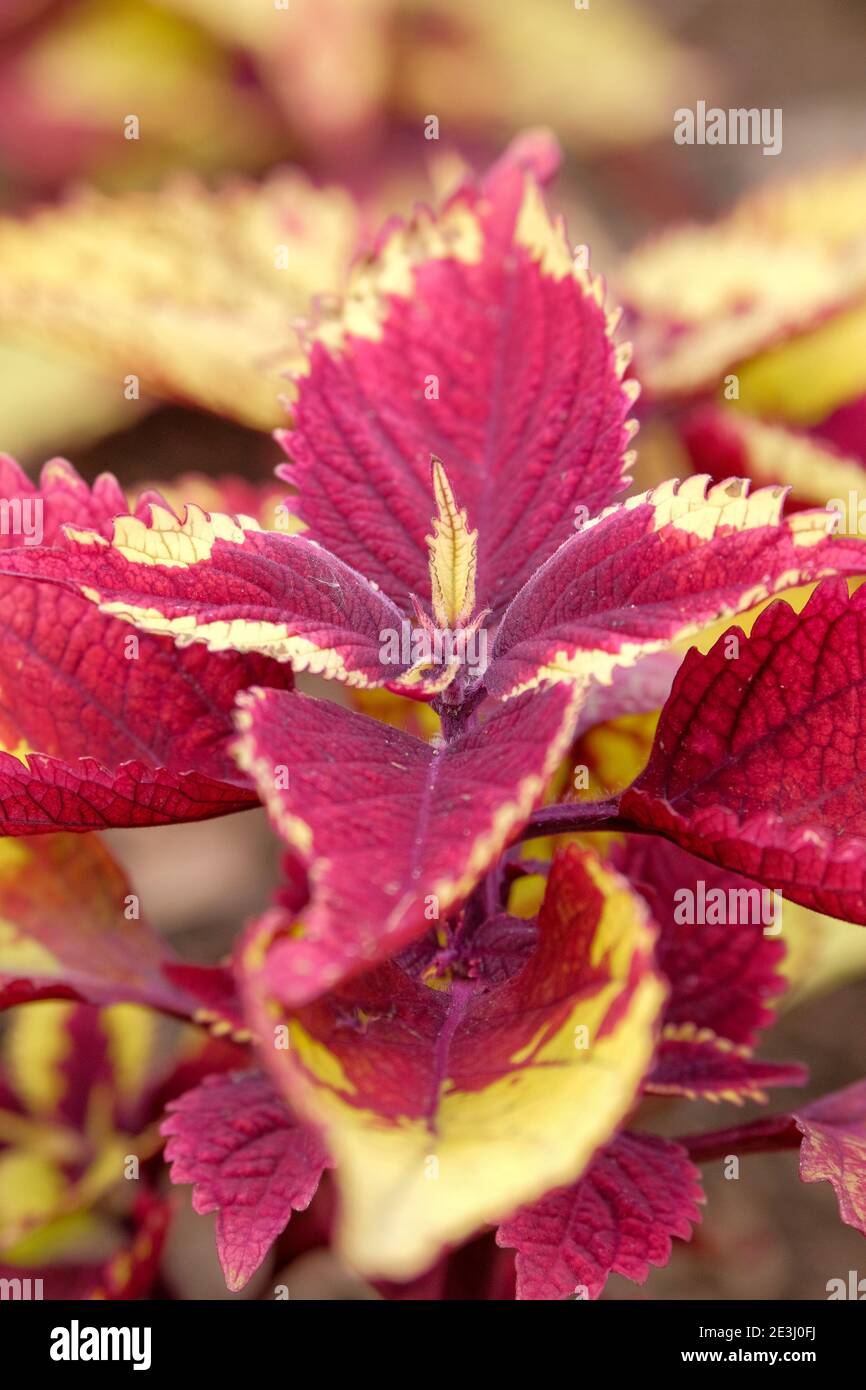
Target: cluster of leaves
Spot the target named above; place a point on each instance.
(461, 1026)
(749, 332)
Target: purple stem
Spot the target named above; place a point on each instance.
(766, 1135)
(569, 817)
(456, 707)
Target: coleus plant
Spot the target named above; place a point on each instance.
(459, 439)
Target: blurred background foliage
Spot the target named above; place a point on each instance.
(259, 126)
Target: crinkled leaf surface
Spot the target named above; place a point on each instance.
(248, 1159)
(619, 1218)
(655, 569)
(101, 726)
(41, 794)
(60, 496)
(723, 972)
(223, 583)
(474, 336)
(447, 1104)
(758, 763)
(393, 831)
(721, 968)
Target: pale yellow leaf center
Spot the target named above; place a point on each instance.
(453, 556)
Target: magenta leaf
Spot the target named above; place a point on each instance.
(228, 585)
(103, 726)
(721, 967)
(472, 335)
(619, 1218)
(834, 1148)
(248, 1160)
(46, 794)
(697, 1064)
(758, 763)
(656, 569)
(394, 831)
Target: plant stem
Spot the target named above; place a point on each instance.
(569, 817)
(456, 706)
(766, 1135)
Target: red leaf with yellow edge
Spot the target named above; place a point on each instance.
(108, 727)
(394, 832)
(248, 1159)
(475, 336)
(88, 1069)
(749, 735)
(834, 1148)
(654, 570)
(449, 1100)
(723, 441)
(262, 498)
(34, 514)
(225, 583)
(696, 1063)
(69, 928)
(620, 1218)
(96, 701)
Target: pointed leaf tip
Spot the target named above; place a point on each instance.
(453, 555)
